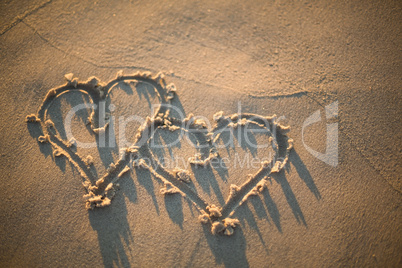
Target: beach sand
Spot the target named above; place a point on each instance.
(294, 60)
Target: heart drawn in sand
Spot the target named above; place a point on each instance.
(142, 153)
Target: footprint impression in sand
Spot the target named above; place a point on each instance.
(163, 133)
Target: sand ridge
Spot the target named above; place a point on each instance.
(100, 191)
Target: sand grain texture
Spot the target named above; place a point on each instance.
(274, 57)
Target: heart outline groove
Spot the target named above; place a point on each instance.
(100, 191)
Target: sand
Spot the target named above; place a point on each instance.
(330, 71)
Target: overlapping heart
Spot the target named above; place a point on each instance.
(100, 191)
